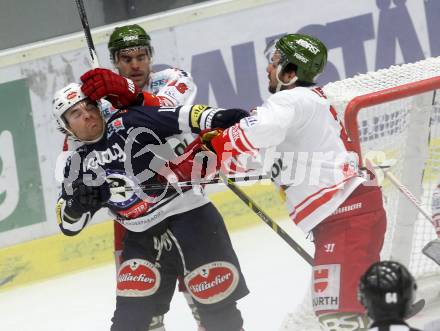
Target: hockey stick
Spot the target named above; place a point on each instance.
(266, 219)
(155, 187)
(431, 249)
(88, 35)
(413, 309)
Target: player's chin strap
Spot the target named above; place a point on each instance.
(281, 83)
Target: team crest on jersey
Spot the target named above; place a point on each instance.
(125, 198)
(326, 284)
(115, 126)
(213, 282)
(137, 278)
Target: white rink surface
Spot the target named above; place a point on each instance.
(275, 274)
(277, 277)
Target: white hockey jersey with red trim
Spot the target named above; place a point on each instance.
(300, 131)
(174, 87)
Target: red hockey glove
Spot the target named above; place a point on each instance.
(120, 91)
(192, 165)
(151, 99)
(230, 145)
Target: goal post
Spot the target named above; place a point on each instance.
(375, 98)
(393, 113)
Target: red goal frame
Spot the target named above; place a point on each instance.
(372, 99)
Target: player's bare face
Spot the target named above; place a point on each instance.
(134, 63)
(84, 120)
(274, 61)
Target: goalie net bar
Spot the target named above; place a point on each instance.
(393, 115)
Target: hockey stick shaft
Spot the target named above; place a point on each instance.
(88, 35)
(266, 219)
(404, 190)
(156, 187)
(431, 248)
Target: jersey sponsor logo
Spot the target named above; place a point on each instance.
(136, 210)
(213, 282)
(350, 168)
(195, 114)
(115, 126)
(307, 45)
(164, 101)
(181, 87)
(181, 72)
(97, 158)
(155, 84)
(173, 94)
(137, 278)
(141, 223)
(107, 110)
(326, 284)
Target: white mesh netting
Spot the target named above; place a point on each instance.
(387, 128)
(406, 131)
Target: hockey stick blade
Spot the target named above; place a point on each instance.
(415, 308)
(432, 250)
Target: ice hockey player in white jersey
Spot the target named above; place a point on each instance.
(319, 177)
(388, 290)
(131, 53)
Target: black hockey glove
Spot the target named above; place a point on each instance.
(228, 117)
(86, 199)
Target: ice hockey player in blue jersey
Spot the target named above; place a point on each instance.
(387, 290)
(171, 232)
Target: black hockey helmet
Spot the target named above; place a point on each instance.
(387, 291)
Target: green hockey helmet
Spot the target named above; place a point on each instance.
(309, 54)
(129, 36)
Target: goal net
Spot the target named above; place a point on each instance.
(393, 115)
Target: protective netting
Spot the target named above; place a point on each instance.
(343, 91)
(387, 129)
(407, 132)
